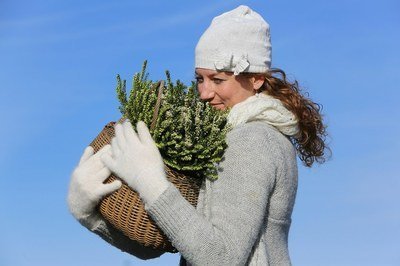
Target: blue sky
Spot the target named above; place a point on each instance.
(58, 63)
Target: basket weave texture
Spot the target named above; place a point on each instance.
(125, 210)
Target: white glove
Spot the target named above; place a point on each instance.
(136, 160)
(86, 188)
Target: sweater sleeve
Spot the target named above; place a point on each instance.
(238, 204)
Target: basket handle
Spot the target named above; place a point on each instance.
(157, 106)
(159, 84)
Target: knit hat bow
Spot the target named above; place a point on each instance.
(238, 66)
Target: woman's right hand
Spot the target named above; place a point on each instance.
(86, 188)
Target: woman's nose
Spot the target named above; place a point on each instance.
(205, 92)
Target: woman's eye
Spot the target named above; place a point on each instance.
(199, 79)
(217, 80)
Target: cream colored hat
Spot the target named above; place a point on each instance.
(236, 41)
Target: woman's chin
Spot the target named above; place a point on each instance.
(219, 106)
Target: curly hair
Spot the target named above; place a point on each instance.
(310, 142)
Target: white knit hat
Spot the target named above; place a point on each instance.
(236, 41)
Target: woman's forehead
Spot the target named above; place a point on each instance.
(210, 72)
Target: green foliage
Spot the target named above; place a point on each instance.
(189, 133)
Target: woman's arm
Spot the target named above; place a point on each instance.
(86, 189)
(238, 203)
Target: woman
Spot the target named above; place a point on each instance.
(243, 217)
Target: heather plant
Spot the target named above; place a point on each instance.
(189, 133)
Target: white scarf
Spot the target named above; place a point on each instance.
(262, 107)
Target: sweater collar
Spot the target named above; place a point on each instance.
(262, 107)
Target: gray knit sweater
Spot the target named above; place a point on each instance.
(243, 218)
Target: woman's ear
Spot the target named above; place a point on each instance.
(257, 81)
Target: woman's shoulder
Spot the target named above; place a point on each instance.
(260, 136)
(254, 130)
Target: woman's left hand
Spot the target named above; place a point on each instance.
(136, 160)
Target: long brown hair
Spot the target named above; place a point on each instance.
(310, 142)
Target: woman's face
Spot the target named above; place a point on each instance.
(223, 89)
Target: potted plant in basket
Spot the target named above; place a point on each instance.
(190, 135)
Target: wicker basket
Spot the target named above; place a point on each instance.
(125, 211)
